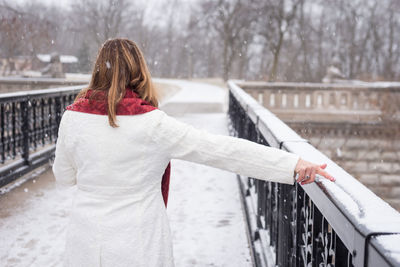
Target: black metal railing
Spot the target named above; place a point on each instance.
(320, 224)
(29, 123)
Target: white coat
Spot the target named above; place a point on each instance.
(118, 217)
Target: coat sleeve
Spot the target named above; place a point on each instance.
(238, 155)
(63, 167)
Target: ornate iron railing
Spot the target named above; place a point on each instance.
(320, 224)
(29, 123)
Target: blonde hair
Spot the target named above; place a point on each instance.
(120, 65)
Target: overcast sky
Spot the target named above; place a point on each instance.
(66, 3)
(54, 2)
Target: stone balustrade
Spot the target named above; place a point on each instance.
(325, 102)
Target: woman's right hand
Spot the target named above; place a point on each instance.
(307, 172)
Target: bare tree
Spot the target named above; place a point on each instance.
(391, 53)
(23, 32)
(291, 40)
(276, 19)
(100, 20)
(230, 20)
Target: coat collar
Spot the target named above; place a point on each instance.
(130, 104)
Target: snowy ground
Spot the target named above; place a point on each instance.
(205, 213)
(194, 97)
(33, 219)
(204, 209)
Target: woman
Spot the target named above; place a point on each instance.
(115, 145)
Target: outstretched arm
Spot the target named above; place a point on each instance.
(238, 155)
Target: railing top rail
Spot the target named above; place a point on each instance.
(355, 212)
(41, 92)
(24, 80)
(371, 86)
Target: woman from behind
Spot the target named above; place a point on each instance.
(115, 145)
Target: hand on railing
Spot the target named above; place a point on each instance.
(307, 171)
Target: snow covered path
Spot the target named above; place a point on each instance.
(33, 220)
(204, 208)
(194, 98)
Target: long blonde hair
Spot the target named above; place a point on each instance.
(120, 64)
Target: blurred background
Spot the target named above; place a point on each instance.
(329, 69)
(288, 40)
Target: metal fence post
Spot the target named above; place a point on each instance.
(25, 130)
(58, 113)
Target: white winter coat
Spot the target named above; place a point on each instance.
(118, 217)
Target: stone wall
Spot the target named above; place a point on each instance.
(374, 159)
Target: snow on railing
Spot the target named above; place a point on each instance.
(341, 223)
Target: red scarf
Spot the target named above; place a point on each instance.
(131, 104)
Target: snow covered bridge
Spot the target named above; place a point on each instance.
(204, 207)
(216, 222)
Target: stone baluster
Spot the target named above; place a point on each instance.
(278, 96)
(266, 98)
(296, 101)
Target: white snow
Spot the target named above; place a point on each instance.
(33, 223)
(193, 92)
(63, 58)
(391, 243)
(194, 98)
(204, 209)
